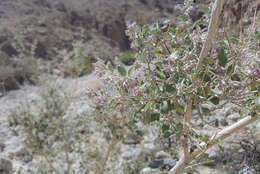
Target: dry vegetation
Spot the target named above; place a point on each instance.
(15, 72)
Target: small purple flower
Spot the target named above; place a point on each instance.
(199, 45)
(221, 30)
(218, 49)
(122, 110)
(183, 99)
(256, 72)
(101, 101)
(222, 72)
(143, 73)
(153, 37)
(131, 25)
(251, 29)
(165, 66)
(191, 9)
(136, 92)
(174, 140)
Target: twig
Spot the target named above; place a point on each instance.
(110, 148)
(226, 133)
(212, 32)
(169, 52)
(201, 163)
(186, 158)
(49, 162)
(243, 46)
(213, 29)
(42, 153)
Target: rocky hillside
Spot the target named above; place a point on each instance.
(48, 30)
(51, 26)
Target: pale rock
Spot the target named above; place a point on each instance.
(6, 166)
(21, 152)
(156, 163)
(162, 155)
(132, 153)
(2, 146)
(246, 170)
(223, 122)
(163, 163)
(169, 163)
(212, 154)
(148, 170)
(234, 117)
(150, 146)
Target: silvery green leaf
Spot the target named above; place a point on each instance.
(258, 125)
(121, 70)
(217, 91)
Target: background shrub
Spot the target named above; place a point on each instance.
(127, 57)
(78, 62)
(15, 72)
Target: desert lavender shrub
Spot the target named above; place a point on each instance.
(173, 76)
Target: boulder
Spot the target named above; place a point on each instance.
(6, 166)
(162, 155)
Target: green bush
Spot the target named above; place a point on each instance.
(127, 58)
(79, 62)
(180, 70)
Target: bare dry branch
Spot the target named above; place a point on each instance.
(212, 31)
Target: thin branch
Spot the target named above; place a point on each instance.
(187, 119)
(198, 106)
(168, 50)
(110, 148)
(49, 162)
(66, 149)
(186, 158)
(229, 42)
(212, 31)
(42, 152)
(226, 133)
(239, 53)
